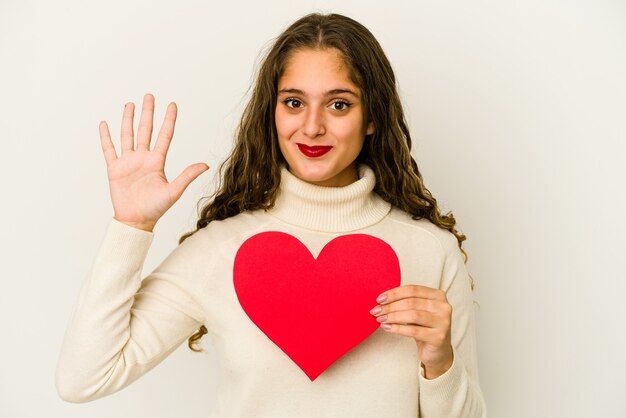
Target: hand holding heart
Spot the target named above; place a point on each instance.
(422, 313)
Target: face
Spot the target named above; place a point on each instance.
(319, 118)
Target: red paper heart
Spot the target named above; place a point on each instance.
(315, 310)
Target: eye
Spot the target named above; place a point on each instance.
(341, 105)
(295, 103)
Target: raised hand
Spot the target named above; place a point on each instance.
(140, 192)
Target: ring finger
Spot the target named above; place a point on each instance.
(411, 317)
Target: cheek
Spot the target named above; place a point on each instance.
(286, 125)
(348, 130)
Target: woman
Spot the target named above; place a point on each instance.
(321, 215)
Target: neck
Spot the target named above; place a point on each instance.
(330, 209)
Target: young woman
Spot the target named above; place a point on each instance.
(322, 270)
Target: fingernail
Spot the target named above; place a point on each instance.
(381, 298)
(386, 326)
(376, 310)
(382, 318)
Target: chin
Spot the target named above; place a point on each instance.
(313, 174)
(325, 177)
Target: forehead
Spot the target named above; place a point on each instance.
(312, 69)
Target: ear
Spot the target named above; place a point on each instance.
(370, 128)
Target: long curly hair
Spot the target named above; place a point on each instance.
(250, 176)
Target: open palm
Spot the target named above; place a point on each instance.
(140, 192)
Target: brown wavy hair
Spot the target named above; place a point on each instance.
(250, 176)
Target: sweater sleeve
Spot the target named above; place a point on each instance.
(123, 326)
(456, 393)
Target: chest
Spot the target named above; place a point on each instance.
(305, 287)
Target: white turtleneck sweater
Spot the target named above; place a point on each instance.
(124, 324)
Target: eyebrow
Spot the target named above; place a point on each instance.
(328, 93)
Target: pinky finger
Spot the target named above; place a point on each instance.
(107, 146)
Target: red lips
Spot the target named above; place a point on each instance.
(316, 151)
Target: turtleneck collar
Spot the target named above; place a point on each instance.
(330, 209)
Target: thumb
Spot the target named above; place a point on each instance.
(185, 178)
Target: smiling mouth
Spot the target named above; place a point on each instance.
(315, 151)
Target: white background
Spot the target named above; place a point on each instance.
(518, 113)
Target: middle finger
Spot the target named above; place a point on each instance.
(144, 132)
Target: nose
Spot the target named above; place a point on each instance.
(314, 123)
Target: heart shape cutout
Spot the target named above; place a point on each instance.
(314, 310)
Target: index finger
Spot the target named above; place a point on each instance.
(410, 291)
(167, 130)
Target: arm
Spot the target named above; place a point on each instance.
(456, 393)
(121, 326)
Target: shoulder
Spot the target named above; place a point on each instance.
(446, 240)
(452, 258)
(234, 228)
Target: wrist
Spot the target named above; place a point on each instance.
(149, 227)
(434, 371)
